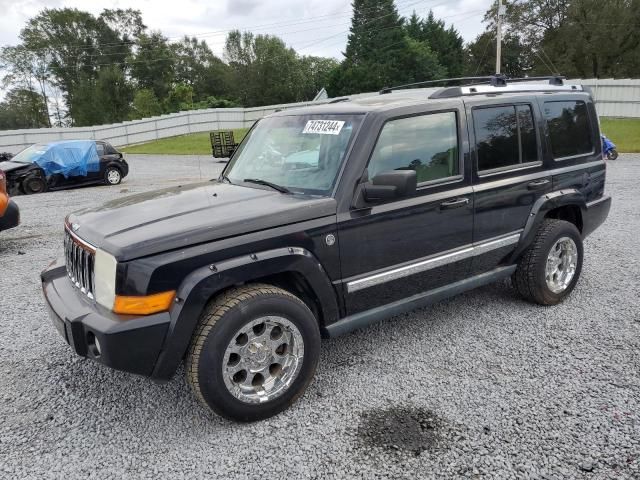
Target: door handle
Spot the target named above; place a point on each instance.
(457, 203)
(538, 184)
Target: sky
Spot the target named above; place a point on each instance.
(311, 27)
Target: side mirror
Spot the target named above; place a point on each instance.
(387, 186)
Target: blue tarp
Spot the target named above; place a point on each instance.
(74, 158)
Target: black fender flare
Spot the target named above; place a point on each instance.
(204, 283)
(542, 206)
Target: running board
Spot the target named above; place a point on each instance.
(369, 317)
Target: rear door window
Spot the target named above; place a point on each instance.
(569, 128)
(505, 136)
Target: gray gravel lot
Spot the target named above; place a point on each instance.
(482, 385)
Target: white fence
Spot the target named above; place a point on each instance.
(614, 98)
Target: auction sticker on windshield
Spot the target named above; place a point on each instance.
(323, 127)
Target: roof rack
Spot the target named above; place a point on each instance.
(491, 84)
(489, 79)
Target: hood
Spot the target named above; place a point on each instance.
(178, 217)
(10, 166)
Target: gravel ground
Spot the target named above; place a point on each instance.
(483, 385)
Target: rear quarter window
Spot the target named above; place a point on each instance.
(569, 128)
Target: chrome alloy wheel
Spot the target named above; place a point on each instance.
(562, 262)
(113, 176)
(263, 359)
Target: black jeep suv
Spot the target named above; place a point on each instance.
(327, 219)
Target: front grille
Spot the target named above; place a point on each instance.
(80, 258)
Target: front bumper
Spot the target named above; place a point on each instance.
(11, 217)
(127, 343)
(595, 215)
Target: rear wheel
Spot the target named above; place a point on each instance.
(34, 184)
(550, 268)
(112, 176)
(254, 353)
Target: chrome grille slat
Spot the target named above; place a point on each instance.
(80, 264)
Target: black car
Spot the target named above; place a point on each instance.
(327, 219)
(64, 164)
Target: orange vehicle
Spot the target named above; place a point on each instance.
(9, 212)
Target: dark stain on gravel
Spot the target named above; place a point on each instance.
(402, 429)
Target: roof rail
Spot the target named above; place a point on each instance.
(495, 81)
(554, 83)
(435, 82)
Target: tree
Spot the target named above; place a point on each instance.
(26, 70)
(145, 104)
(446, 43)
(179, 98)
(375, 43)
(23, 108)
(314, 75)
(75, 45)
(265, 71)
(152, 64)
(481, 56)
(196, 65)
(579, 38)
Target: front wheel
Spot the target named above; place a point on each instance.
(34, 184)
(549, 269)
(254, 352)
(612, 154)
(112, 176)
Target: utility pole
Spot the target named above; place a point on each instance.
(499, 37)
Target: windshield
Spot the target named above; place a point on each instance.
(28, 154)
(302, 153)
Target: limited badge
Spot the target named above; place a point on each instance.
(331, 239)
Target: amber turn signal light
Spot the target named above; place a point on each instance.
(160, 302)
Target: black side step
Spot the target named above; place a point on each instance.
(368, 317)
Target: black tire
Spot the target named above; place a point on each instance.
(529, 279)
(612, 155)
(34, 184)
(110, 175)
(218, 328)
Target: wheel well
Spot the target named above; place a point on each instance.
(569, 213)
(295, 283)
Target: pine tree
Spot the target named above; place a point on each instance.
(374, 48)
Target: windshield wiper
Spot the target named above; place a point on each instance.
(275, 186)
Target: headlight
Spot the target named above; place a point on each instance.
(105, 279)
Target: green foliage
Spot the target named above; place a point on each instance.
(197, 66)
(152, 65)
(578, 38)
(145, 104)
(376, 43)
(481, 56)
(445, 43)
(264, 71)
(384, 50)
(23, 108)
